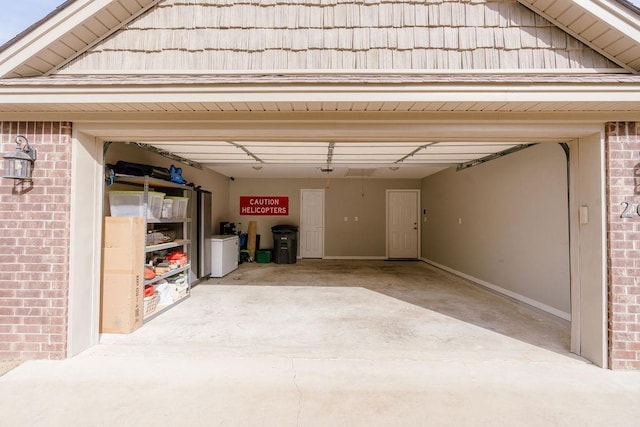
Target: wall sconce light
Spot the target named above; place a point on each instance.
(256, 168)
(19, 163)
(394, 168)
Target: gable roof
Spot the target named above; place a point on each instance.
(610, 27)
(192, 36)
(35, 25)
(71, 29)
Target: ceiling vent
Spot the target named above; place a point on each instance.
(360, 172)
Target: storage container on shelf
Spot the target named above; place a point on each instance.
(131, 203)
(179, 207)
(150, 304)
(167, 208)
(180, 285)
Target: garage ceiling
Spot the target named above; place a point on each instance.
(304, 159)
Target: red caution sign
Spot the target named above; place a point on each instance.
(264, 205)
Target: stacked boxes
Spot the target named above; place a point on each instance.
(122, 274)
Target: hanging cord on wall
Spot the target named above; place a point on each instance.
(362, 181)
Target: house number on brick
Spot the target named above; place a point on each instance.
(628, 211)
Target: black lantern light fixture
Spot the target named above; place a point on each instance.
(19, 163)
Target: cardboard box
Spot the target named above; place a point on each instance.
(122, 274)
(121, 303)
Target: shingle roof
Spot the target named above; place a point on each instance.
(320, 78)
(22, 34)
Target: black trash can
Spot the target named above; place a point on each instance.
(285, 244)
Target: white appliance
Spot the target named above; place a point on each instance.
(224, 255)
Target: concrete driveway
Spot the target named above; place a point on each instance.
(322, 343)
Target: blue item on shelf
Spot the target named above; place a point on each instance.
(176, 175)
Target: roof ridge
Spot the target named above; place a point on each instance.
(33, 26)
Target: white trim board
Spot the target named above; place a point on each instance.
(17, 92)
(344, 71)
(500, 290)
(356, 258)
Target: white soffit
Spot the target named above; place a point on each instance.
(297, 93)
(605, 25)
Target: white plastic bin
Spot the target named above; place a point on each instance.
(179, 208)
(131, 203)
(167, 208)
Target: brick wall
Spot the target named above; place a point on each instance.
(623, 194)
(34, 245)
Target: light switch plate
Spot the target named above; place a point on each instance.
(583, 214)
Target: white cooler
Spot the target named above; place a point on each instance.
(225, 250)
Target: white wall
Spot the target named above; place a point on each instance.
(344, 197)
(514, 224)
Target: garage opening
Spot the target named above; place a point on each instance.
(502, 224)
(350, 240)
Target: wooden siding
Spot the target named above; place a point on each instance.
(210, 35)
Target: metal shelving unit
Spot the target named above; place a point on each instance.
(180, 225)
(168, 274)
(169, 245)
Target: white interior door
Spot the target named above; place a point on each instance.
(312, 223)
(403, 226)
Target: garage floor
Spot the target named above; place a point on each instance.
(357, 343)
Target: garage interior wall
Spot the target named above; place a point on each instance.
(209, 180)
(504, 222)
(344, 198)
